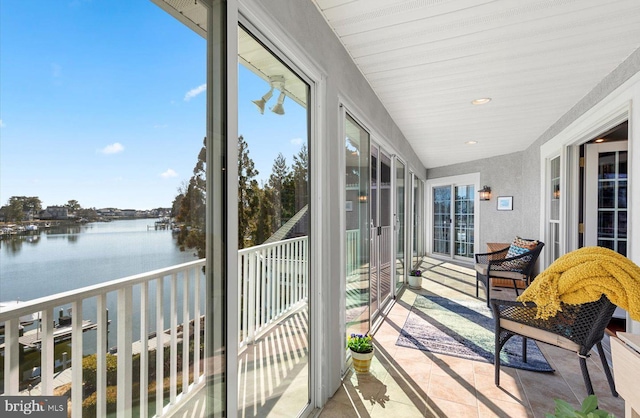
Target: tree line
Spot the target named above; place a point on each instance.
(18, 207)
(262, 208)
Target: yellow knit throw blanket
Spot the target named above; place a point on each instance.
(582, 276)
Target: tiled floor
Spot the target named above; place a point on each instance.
(406, 382)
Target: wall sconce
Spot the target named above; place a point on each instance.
(362, 198)
(275, 82)
(485, 193)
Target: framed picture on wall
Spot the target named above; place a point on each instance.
(505, 202)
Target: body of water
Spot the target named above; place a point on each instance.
(65, 258)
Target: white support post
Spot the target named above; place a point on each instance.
(76, 359)
(144, 349)
(240, 300)
(186, 328)
(47, 361)
(251, 296)
(264, 320)
(173, 354)
(159, 345)
(101, 356)
(196, 326)
(11, 357)
(125, 341)
(278, 271)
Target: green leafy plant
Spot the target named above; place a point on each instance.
(589, 409)
(416, 272)
(360, 343)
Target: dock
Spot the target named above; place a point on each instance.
(33, 338)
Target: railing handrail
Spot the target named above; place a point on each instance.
(52, 301)
(270, 244)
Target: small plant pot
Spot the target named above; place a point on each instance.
(361, 362)
(415, 282)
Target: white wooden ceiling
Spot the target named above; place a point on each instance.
(428, 59)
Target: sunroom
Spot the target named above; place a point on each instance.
(401, 113)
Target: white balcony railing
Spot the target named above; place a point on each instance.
(273, 280)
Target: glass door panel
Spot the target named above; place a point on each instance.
(442, 220)
(606, 196)
(463, 227)
(273, 235)
(400, 223)
(357, 226)
(375, 242)
(385, 234)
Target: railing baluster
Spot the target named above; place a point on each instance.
(47, 361)
(278, 261)
(271, 288)
(11, 357)
(240, 299)
(196, 327)
(159, 345)
(264, 301)
(125, 341)
(258, 296)
(76, 359)
(287, 276)
(101, 357)
(251, 296)
(173, 378)
(245, 300)
(185, 331)
(144, 349)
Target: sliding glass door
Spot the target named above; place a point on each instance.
(357, 227)
(399, 223)
(274, 252)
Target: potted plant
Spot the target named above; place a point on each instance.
(415, 279)
(589, 409)
(361, 346)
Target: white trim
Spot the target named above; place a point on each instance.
(609, 112)
(260, 24)
(359, 116)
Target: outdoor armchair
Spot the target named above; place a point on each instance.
(576, 328)
(515, 263)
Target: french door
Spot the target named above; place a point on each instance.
(605, 210)
(381, 229)
(453, 220)
(605, 222)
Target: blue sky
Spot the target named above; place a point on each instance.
(103, 102)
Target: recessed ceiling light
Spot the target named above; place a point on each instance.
(481, 101)
(471, 142)
(599, 140)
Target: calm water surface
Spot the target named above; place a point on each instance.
(67, 258)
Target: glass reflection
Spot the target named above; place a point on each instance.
(607, 165)
(606, 194)
(357, 225)
(274, 214)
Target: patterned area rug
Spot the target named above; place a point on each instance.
(464, 328)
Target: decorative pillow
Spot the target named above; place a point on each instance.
(518, 247)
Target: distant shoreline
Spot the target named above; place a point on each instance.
(74, 221)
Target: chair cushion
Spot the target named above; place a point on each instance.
(539, 334)
(503, 274)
